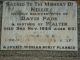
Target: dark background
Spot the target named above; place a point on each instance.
(41, 54)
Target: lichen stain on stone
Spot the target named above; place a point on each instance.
(31, 40)
(10, 8)
(18, 12)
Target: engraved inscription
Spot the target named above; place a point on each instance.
(39, 25)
